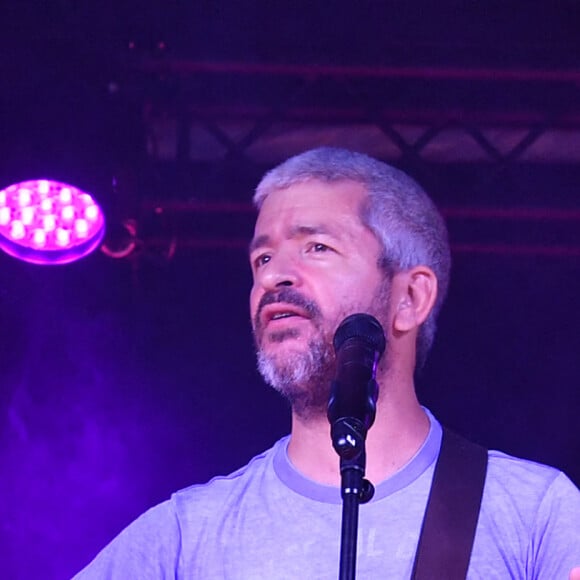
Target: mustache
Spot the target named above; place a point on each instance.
(287, 295)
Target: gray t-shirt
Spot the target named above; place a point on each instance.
(267, 520)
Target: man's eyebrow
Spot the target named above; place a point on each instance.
(295, 232)
(263, 240)
(298, 231)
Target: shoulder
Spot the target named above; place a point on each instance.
(530, 489)
(528, 521)
(504, 470)
(525, 476)
(215, 495)
(148, 543)
(155, 539)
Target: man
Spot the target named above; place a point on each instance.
(341, 233)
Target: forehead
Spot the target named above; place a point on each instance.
(312, 201)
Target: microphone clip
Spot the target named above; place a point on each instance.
(348, 437)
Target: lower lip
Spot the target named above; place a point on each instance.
(282, 323)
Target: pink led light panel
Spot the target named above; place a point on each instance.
(48, 222)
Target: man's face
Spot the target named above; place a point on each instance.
(313, 263)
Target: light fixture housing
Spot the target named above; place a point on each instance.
(49, 222)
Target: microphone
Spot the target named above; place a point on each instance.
(359, 343)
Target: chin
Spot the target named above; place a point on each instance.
(296, 367)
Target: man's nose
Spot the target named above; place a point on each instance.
(280, 271)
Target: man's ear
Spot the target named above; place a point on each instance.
(414, 292)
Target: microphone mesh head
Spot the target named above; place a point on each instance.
(363, 326)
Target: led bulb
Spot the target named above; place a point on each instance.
(39, 238)
(62, 237)
(5, 216)
(81, 228)
(49, 223)
(67, 213)
(43, 187)
(24, 197)
(92, 213)
(27, 215)
(65, 195)
(17, 230)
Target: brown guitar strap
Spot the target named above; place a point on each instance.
(448, 529)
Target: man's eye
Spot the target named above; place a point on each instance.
(318, 247)
(261, 260)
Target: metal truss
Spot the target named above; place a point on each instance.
(499, 149)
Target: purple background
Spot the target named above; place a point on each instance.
(115, 396)
(124, 380)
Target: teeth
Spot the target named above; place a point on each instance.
(279, 315)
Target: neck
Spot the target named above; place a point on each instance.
(399, 430)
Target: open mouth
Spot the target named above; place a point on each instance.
(276, 312)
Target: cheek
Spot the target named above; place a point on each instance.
(334, 304)
(351, 296)
(254, 300)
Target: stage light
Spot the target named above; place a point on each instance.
(48, 222)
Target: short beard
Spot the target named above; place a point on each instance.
(303, 378)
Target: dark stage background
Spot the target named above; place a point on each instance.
(115, 396)
(124, 379)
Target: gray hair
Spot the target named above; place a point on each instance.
(399, 213)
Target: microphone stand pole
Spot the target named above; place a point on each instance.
(348, 436)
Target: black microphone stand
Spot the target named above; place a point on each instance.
(348, 438)
(359, 342)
